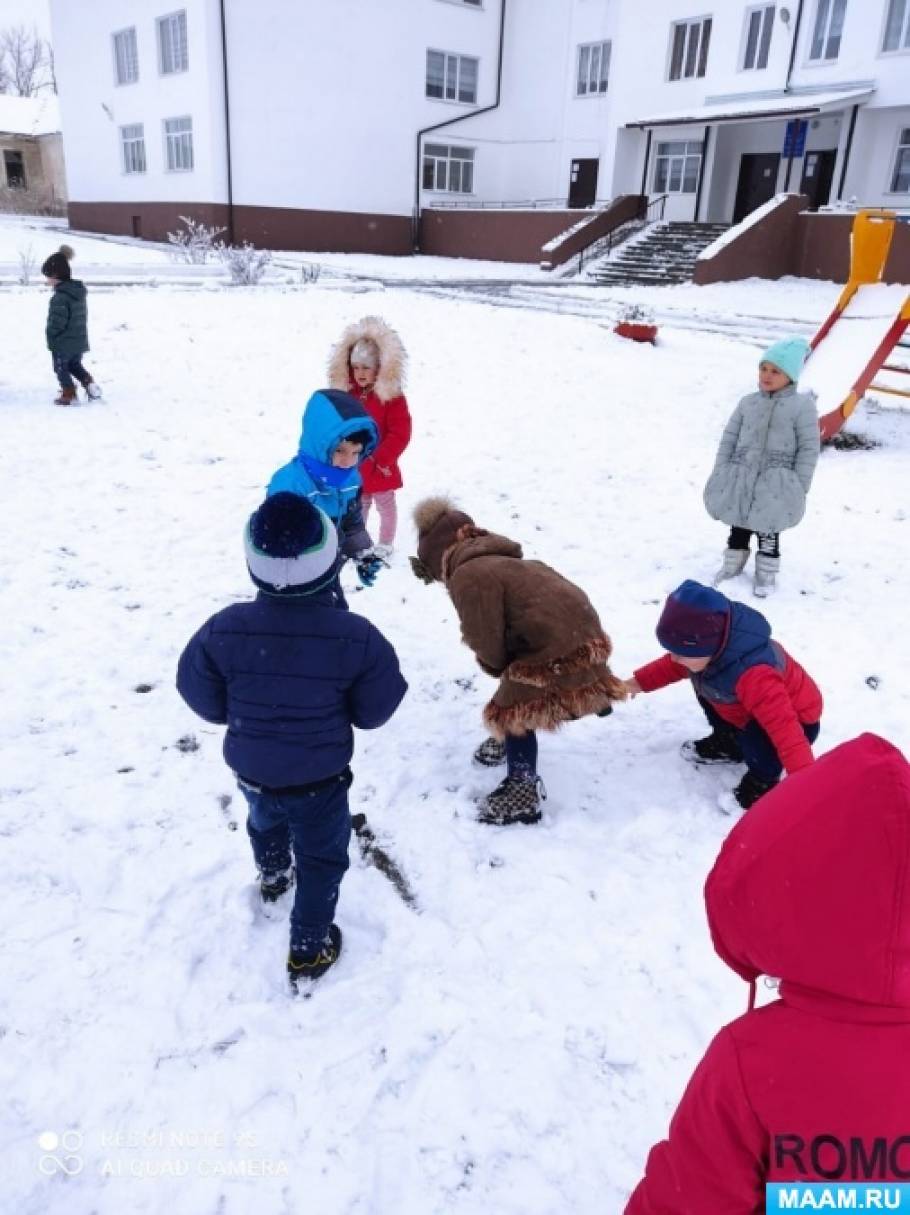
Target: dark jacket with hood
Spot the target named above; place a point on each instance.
(67, 319)
(528, 626)
(812, 886)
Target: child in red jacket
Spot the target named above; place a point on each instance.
(811, 887)
(763, 708)
(369, 363)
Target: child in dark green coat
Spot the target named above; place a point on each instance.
(67, 328)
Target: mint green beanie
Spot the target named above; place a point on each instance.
(788, 355)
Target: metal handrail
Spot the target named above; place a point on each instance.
(606, 244)
(518, 204)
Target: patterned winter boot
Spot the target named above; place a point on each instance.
(734, 562)
(305, 968)
(66, 396)
(490, 754)
(765, 574)
(719, 747)
(514, 801)
(273, 885)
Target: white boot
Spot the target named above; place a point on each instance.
(734, 563)
(765, 574)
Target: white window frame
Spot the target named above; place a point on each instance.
(475, 4)
(592, 70)
(701, 49)
(129, 59)
(901, 152)
(132, 148)
(903, 38)
(766, 14)
(178, 144)
(451, 76)
(677, 161)
(179, 62)
(432, 152)
(821, 35)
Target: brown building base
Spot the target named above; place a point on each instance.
(266, 227)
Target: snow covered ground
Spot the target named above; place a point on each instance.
(517, 1044)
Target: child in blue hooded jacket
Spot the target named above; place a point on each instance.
(336, 437)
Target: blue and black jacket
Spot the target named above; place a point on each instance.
(329, 417)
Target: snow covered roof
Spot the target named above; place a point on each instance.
(29, 115)
(744, 109)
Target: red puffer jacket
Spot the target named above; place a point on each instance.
(394, 421)
(778, 700)
(811, 886)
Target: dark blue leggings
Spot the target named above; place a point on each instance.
(68, 365)
(758, 751)
(521, 755)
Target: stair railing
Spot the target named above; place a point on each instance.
(654, 212)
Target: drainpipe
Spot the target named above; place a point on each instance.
(701, 171)
(449, 122)
(227, 131)
(854, 110)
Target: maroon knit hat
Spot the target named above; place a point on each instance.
(694, 621)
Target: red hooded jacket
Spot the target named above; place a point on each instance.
(394, 421)
(811, 886)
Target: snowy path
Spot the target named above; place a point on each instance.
(516, 1045)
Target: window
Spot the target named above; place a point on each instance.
(897, 27)
(126, 57)
(446, 168)
(178, 138)
(676, 167)
(829, 25)
(900, 179)
(593, 69)
(132, 141)
(759, 25)
(689, 48)
(451, 77)
(15, 170)
(173, 54)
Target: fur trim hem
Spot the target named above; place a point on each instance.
(554, 709)
(392, 357)
(542, 674)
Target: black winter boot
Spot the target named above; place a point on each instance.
(718, 748)
(273, 885)
(490, 754)
(307, 967)
(513, 801)
(751, 788)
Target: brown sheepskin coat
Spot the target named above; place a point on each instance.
(527, 625)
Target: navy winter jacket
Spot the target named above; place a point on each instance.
(289, 678)
(67, 319)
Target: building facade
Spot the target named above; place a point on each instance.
(332, 126)
(32, 173)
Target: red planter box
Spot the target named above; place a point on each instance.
(636, 331)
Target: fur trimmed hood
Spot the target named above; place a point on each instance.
(392, 357)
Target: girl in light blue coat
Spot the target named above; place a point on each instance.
(764, 465)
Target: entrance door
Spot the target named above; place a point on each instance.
(818, 173)
(757, 182)
(583, 183)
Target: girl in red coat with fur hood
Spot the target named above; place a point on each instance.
(369, 363)
(811, 886)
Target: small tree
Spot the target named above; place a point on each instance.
(27, 262)
(246, 264)
(23, 61)
(196, 243)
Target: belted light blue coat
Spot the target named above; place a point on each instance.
(765, 462)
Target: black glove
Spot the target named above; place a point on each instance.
(368, 564)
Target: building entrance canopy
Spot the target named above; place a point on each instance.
(755, 109)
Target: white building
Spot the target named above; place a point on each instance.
(329, 126)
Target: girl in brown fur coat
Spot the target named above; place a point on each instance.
(531, 629)
(369, 362)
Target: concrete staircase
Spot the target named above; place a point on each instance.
(664, 253)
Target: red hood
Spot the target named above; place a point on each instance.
(812, 886)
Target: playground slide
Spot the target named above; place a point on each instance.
(839, 361)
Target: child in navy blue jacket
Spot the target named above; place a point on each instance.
(290, 674)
